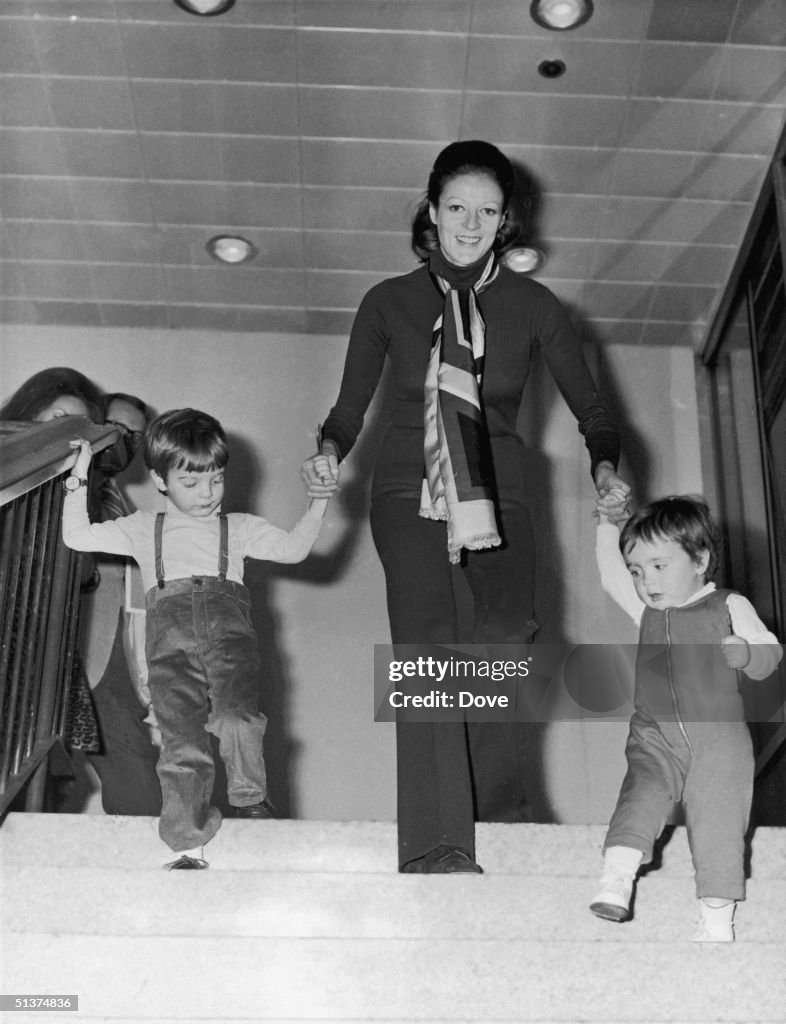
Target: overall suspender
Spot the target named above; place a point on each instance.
(223, 548)
(159, 561)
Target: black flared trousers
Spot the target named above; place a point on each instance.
(451, 774)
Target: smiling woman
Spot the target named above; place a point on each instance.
(450, 486)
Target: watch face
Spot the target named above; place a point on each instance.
(73, 483)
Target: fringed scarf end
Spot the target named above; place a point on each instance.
(479, 542)
(432, 513)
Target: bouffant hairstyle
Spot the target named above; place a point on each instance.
(185, 439)
(473, 156)
(46, 387)
(683, 518)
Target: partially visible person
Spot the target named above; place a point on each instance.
(113, 663)
(689, 741)
(130, 415)
(451, 485)
(47, 395)
(203, 658)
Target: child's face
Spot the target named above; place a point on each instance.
(196, 493)
(663, 572)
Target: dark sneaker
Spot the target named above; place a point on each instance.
(445, 860)
(264, 809)
(186, 863)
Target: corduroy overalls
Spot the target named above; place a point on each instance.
(204, 677)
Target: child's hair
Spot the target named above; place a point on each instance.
(185, 439)
(682, 518)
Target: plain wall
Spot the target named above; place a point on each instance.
(318, 621)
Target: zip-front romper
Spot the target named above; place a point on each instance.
(688, 742)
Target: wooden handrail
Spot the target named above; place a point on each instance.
(32, 453)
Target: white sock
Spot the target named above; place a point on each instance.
(622, 859)
(716, 919)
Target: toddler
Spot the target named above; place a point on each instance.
(688, 738)
(201, 650)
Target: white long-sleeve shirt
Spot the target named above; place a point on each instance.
(765, 651)
(190, 545)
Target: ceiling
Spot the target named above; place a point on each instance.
(132, 132)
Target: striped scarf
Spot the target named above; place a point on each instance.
(458, 481)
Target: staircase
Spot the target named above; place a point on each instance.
(308, 921)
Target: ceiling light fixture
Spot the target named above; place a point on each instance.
(551, 68)
(523, 259)
(231, 249)
(205, 8)
(560, 15)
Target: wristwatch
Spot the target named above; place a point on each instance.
(73, 483)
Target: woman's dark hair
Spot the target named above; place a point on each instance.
(473, 156)
(682, 518)
(185, 439)
(46, 387)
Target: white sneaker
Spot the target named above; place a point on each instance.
(612, 901)
(716, 924)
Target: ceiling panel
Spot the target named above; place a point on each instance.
(131, 132)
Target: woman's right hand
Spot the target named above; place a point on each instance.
(320, 472)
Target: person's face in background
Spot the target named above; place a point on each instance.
(65, 405)
(131, 421)
(468, 217)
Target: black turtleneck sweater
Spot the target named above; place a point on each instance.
(396, 319)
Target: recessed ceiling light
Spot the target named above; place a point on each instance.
(560, 15)
(231, 249)
(551, 68)
(205, 8)
(523, 259)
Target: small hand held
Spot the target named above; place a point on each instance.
(613, 495)
(84, 458)
(320, 472)
(736, 652)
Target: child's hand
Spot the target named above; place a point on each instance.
(736, 651)
(84, 457)
(612, 506)
(320, 474)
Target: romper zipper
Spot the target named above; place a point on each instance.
(671, 684)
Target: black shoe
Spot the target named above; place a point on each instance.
(186, 863)
(445, 860)
(264, 809)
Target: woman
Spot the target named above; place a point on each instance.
(105, 718)
(451, 458)
(48, 395)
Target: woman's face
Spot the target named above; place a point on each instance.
(468, 217)
(64, 405)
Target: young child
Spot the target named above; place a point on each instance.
(688, 738)
(202, 654)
